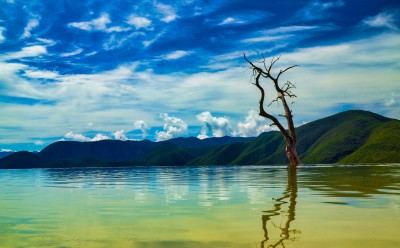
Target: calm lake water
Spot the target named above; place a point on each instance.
(240, 206)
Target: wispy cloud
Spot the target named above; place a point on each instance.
(98, 24)
(38, 142)
(41, 74)
(289, 29)
(149, 42)
(381, 20)
(318, 9)
(265, 39)
(2, 37)
(30, 51)
(117, 41)
(176, 55)
(231, 21)
(91, 53)
(73, 53)
(48, 42)
(168, 12)
(390, 101)
(33, 23)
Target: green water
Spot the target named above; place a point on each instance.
(245, 206)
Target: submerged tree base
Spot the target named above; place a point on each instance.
(292, 155)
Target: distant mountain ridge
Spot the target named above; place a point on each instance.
(5, 154)
(349, 137)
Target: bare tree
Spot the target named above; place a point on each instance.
(283, 91)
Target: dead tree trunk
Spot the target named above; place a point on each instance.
(284, 91)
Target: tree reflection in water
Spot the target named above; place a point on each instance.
(287, 216)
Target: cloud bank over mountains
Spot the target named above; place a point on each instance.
(211, 126)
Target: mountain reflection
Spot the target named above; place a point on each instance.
(289, 196)
(352, 181)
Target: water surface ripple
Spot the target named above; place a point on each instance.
(205, 206)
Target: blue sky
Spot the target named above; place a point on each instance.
(92, 70)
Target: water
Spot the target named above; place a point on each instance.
(244, 206)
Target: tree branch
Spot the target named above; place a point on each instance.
(283, 71)
(259, 72)
(276, 100)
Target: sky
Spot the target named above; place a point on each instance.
(133, 70)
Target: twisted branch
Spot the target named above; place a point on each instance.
(283, 91)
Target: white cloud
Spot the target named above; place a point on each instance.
(40, 74)
(142, 126)
(385, 20)
(231, 20)
(38, 142)
(289, 29)
(116, 41)
(138, 21)
(81, 137)
(390, 101)
(73, 53)
(173, 127)
(31, 51)
(167, 11)
(99, 136)
(147, 43)
(11, 82)
(48, 42)
(91, 53)
(33, 23)
(120, 135)
(98, 24)
(372, 51)
(6, 150)
(265, 39)
(76, 136)
(176, 55)
(2, 38)
(253, 125)
(239, 54)
(317, 9)
(116, 29)
(329, 5)
(95, 24)
(217, 126)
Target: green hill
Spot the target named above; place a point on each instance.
(342, 135)
(348, 137)
(382, 146)
(21, 160)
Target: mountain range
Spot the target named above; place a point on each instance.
(350, 137)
